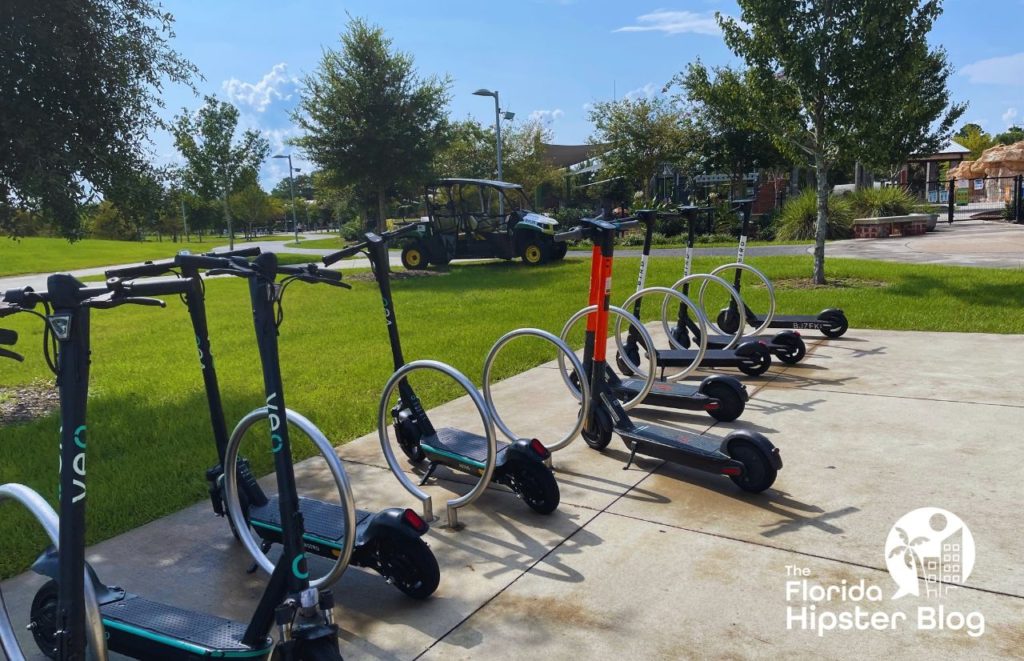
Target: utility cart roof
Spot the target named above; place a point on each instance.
(479, 182)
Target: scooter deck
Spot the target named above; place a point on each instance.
(673, 444)
(679, 395)
(712, 358)
(463, 446)
(324, 522)
(195, 633)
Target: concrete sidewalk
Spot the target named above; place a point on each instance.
(664, 562)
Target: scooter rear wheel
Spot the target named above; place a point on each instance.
(319, 649)
(758, 471)
(601, 436)
(839, 323)
(409, 565)
(794, 350)
(533, 482)
(43, 618)
(730, 403)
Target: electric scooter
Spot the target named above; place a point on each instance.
(127, 623)
(747, 457)
(723, 397)
(786, 345)
(831, 322)
(520, 465)
(389, 541)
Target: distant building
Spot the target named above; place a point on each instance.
(922, 172)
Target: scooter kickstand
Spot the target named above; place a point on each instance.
(430, 473)
(265, 547)
(632, 454)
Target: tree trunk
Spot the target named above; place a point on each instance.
(821, 227)
(382, 223)
(227, 218)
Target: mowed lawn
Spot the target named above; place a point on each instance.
(44, 255)
(149, 438)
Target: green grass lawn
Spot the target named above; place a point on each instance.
(43, 255)
(149, 436)
(336, 243)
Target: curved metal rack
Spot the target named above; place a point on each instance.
(44, 514)
(645, 337)
(750, 269)
(341, 480)
(706, 277)
(652, 354)
(389, 454)
(563, 350)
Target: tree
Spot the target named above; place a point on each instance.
(79, 92)
(216, 165)
(1010, 136)
(835, 79)
(283, 190)
(469, 151)
(642, 135)
(369, 120)
(523, 156)
(973, 137)
(725, 145)
(252, 205)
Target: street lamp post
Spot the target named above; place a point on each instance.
(497, 134)
(291, 186)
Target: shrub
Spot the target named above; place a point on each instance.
(715, 238)
(877, 202)
(570, 216)
(800, 214)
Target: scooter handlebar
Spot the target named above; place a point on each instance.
(147, 288)
(241, 252)
(147, 270)
(8, 337)
(358, 246)
(574, 234)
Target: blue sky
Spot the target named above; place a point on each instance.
(546, 57)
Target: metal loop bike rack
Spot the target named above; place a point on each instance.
(767, 283)
(389, 454)
(341, 480)
(563, 351)
(706, 277)
(701, 325)
(645, 336)
(44, 514)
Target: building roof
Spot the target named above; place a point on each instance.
(563, 156)
(478, 182)
(952, 151)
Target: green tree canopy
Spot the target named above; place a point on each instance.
(215, 164)
(79, 93)
(642, 135)
(1010, 136)
(844, 79)
(468, 151)
(369, 120)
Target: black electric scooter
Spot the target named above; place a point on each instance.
(519, 465)
(751, 357)
(747, 457)
(723, 397)
(831, 322)
(389, 541)
(135, 626)
(786, 345)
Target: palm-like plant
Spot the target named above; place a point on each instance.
(908, 549)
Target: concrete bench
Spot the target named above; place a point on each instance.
(881, 228)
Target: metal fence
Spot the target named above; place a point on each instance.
(988, 198)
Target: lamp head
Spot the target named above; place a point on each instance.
(485, 92)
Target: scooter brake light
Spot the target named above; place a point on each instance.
(414, 520)
(732, 471)
(712, 406)
(539, 448)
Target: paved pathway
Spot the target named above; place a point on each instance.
(662, 562)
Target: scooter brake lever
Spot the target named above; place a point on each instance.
(108, 303)
(4, 353)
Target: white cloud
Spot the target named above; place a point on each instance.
(675, 22)
(1006, 70)
(648, 91)
(275, 84)
(547, 116)
(1009, 116)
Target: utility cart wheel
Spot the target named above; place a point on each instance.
(413, 257)
(533, 252)
(758, 472)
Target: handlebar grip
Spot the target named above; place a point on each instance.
(571, 235)
(24, 297)
(146, 288)
(149, 269)
(627, 223)
(202, 261)
(347, 251)
(8, 310)
(8, 337)
(241, 252)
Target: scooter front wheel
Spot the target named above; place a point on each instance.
(730, 403)
(760, 362)
(793, 351)
(533, 482)
(318, 649)
(601, 435)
